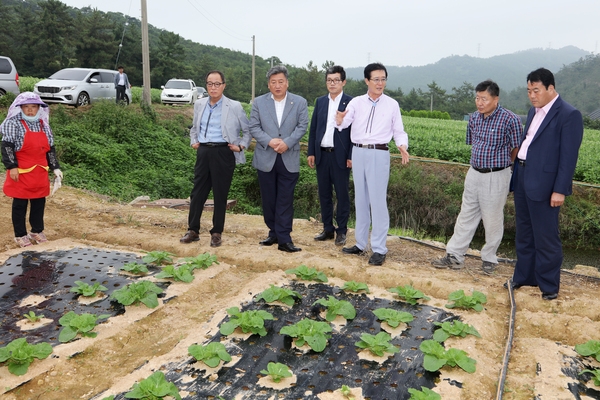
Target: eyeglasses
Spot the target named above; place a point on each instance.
(378, 80)
(333, 81)
(215, 84)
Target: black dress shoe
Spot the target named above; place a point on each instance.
(549, 296)
(289, 247)
(353, 250)
(514, 285)
(269, 241)
(324, 236)
(340, 239)
(377, 259)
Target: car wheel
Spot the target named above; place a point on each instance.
(125, 100)
(83, 99)
(2, 92)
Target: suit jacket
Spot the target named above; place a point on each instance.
(552, 154)
(264, 127)
(233, 120)
(125, 78)
(318, 125)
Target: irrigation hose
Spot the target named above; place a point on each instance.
(509, 341)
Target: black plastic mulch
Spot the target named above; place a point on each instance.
(573, 367)
(52, 275)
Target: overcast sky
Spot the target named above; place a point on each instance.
(353, 33)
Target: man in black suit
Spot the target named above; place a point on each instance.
(330, 150)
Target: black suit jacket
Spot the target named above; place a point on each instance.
(318, 124)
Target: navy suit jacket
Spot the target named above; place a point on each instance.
(552, 154)
(318, 125)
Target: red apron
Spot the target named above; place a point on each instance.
(33, 168)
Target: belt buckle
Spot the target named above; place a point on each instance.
(370, 146)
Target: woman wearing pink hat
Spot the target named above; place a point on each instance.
(28, 154)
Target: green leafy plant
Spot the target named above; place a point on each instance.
(346, 392)
(393, 317)
(276, 293)
(74, 324)
(87, 290)
(111, 397)
(409, 294)
(454, 328)
(248, 321)
(308, 331)
(19, 354)
(33, 317)
(135, 268)
(202, 261)
(353, 286)
(277, 371)
(143, 291)
(308, 274)
(158, 257)
(467, 302)
(211, 354)
(337, 307)
(181, 274)
(423, 394)
(377, 344)
(436, 357)
(154, 387)
(589, 348)
(595, 375)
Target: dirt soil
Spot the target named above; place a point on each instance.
(544, 330)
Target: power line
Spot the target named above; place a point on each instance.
(210, 19)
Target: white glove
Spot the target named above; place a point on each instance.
(57, 180)
(58, 173)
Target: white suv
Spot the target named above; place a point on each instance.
(79, 86)
(179, 91)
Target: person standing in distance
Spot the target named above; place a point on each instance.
(542, 178)
(278, 121)
(330, 149)
(121, 84)
(215, 134)
(375, 119)
(494, 133)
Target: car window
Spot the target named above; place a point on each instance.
(5, 67)
(107, 77)
(70, 75)
(95, 75)
(178, 85)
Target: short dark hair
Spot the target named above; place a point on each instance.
(374, 67)
(488, 86)
(214, 71)
(277, 69)
(120, 67)
(541, 75)
(336, 69)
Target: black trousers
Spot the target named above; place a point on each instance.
(214, 170)
(331, 176)
(36, 215)
(120, 94)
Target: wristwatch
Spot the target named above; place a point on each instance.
(241, 148)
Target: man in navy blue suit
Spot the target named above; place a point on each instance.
(542, 178)
(330, 149)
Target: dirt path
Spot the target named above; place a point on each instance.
(545, 331)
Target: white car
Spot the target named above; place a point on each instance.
(79, 86)
(179, 91)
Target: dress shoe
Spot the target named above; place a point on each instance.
(514, 285)
(340, 239)
(289, 247)
(324, 236)
(215, 240)
(549, 296)
(189, 237)
(353, 250)
(377, 259)
(269, 241)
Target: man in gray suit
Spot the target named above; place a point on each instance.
(121, 84)
(215, 134)
(278, 121)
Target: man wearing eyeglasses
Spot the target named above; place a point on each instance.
(215, 134)
(375, 119)
(278, 121)
(493, 132)
(330, 149)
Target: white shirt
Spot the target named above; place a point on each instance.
(331, 111)
(121, 80)
(279, 107)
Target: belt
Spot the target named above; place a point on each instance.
(521, 162)
(213, 144)
(486, 170)
(327, 149)
(372, 146)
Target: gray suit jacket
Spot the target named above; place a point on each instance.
(233, 120)
(264, 127)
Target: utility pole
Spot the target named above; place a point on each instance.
(253, 68)
(431, 103)
(146, 98)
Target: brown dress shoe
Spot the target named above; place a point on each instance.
(215, 240)
(189, 237)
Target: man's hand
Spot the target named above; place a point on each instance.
(404, 153)
(557, 199)
(310, 160)
(14, 174)
(348, 163)
(195, 146)
(339, 117)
